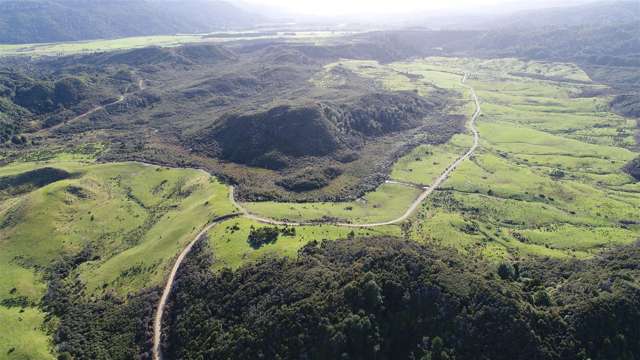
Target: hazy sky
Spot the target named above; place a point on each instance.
(354, 7)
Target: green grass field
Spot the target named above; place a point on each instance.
(135, 218)
(22, 336)
(87, 47)
(425, 163)
(231, 249)
(547, 179)
(105, 45)
(388, 202)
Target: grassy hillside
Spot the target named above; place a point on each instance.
(128, 220)
(549, 178)
(121, 211)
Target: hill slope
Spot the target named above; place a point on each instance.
(34, 21)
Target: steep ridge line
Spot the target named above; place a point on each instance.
(157, 321)
(416, 203)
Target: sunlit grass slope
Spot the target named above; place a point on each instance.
(388, 202)
(231, 249)
(134, 218)
(547, 179)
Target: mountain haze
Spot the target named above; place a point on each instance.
(35, 21)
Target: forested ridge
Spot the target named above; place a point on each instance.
(34, 99)
(387, 298)
(267, 138)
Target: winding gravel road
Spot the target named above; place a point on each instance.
(157, 320)
(157, 323)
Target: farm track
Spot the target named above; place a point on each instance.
(427, 190)
(120, 99)
(157, 320)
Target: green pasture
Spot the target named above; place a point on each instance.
(231, 249)
(425, 163)
(22, 336)
(388, 202)
(136, 217)
(92, 46)
(547, 179)
(106, 45)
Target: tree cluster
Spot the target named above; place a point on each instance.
(267, 235)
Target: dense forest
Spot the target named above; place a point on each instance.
(387, 298)
(267, 138)
(627, 105)
(633, 168)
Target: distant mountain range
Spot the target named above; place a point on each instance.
(543, 30)
(600, 33)
(603, 13)
(34, 21)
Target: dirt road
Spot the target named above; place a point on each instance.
(157, 321)
(120, 99)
